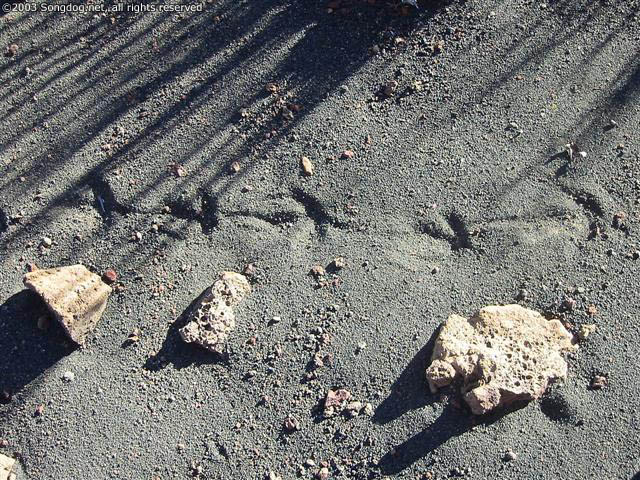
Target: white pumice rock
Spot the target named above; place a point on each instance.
(213, 319)
(500, 355)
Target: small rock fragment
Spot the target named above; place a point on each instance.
(272, 476)
(390, 88)
(212, 319)
(6, 468)
(291, 424)
(348, 154)
(134, 337)
(39, 411)
(271, 88)
(619, 219)
(178, 170)
(335, 401)
(110, 276)
(502, 354)
(307, 166)
(592, 310)
(76, 297)
(585, 331)
(510, 456)
(234, 167)
(46, 242)
(338, 263)
(11, 50)
(569, 304)
(572, 149)
(317, 271)
(250, 270)
(599, 382)
(68, 376)
(352, 409)
(323, 474)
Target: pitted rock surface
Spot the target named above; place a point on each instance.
(76, 297)
(213, 319)
(6, 468)
(501, 354)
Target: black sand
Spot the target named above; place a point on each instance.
(460, 199)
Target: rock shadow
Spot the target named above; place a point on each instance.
(177, 352)
(27, 349)
(410, 392)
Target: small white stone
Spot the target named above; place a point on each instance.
(47, 242)
(68, 376)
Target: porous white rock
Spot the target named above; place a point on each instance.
(76, 297)
(212, 319)
(500, 355)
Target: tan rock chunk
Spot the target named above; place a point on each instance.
(307, 166)
(76, 297)
(213, 319)
(6, 468)
(500, 355)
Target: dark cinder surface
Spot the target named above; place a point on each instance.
(448, 207)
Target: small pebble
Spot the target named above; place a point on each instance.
(510, 456)
(68, 376)
(109, 276)
(569, 304)
(585, 331)
(307, 166)
(599, 382)
(338, 263)
(291, 424)
(323, 474)
(11, 50)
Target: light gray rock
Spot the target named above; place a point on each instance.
(500, 355)
(76, 297)
(6, 468)
(212, 319)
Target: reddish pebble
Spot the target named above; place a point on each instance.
(110, 276)
(348, 154)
